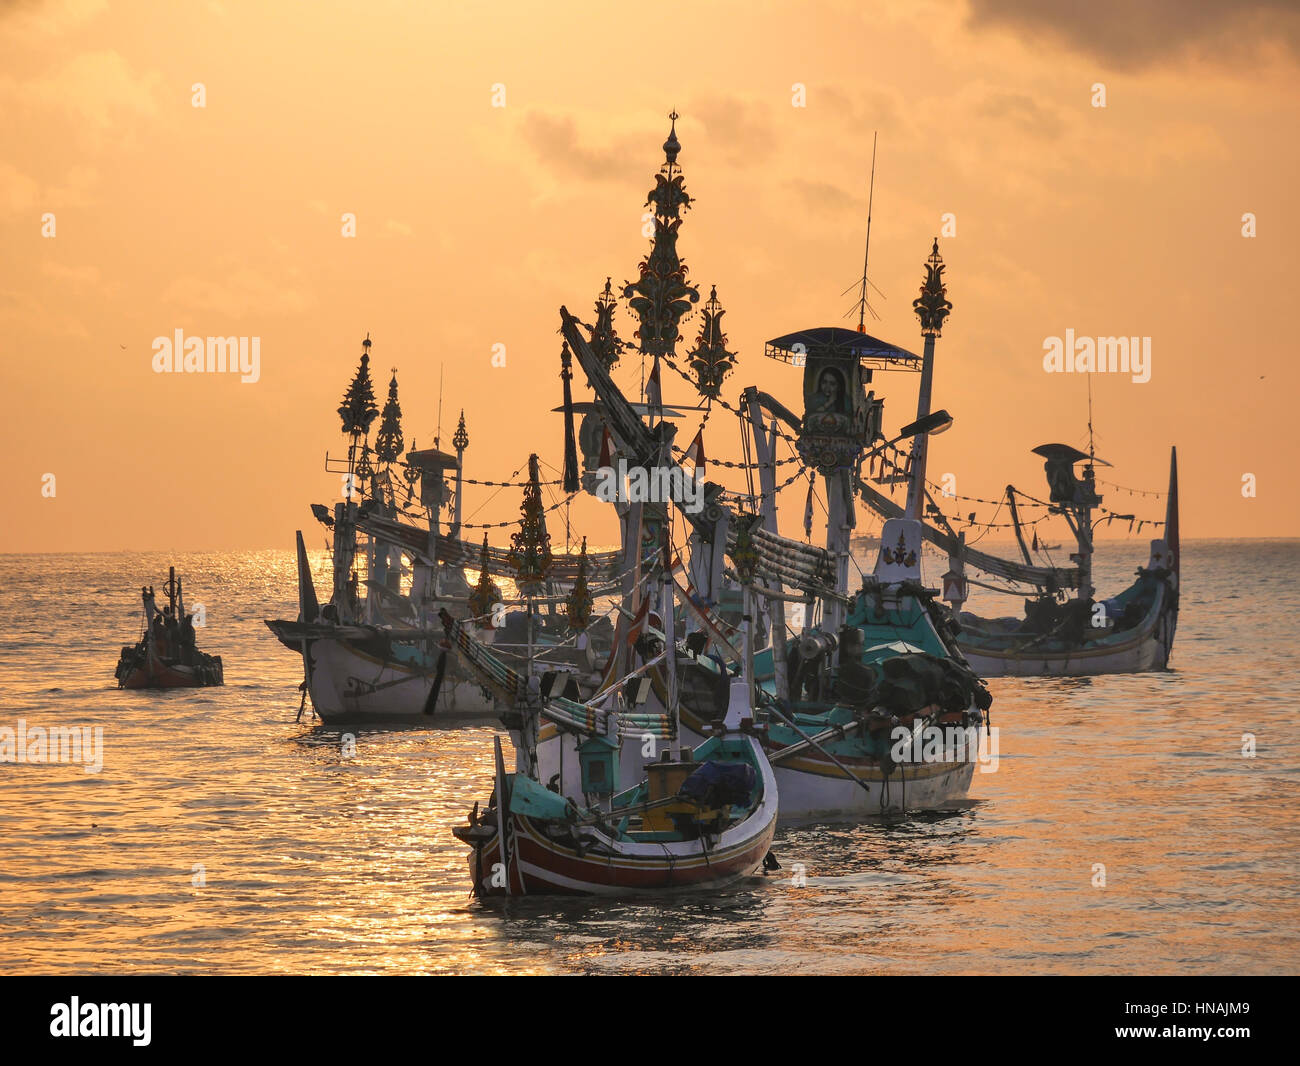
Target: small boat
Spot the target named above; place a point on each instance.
(701, 821)
(1130, 632)
(166, 655)
(699, 818)
(864, 543)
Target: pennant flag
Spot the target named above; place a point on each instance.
(606, 448)
(654, 393)
(1035, 540)
(808, 508)
(695, 453)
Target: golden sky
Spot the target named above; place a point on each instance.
(474, 223)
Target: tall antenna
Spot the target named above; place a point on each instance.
(862, 295)
(437, 440)
(1091, 450)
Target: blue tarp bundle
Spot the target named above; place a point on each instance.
(716, 784)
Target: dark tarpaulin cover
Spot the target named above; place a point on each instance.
(716, 784)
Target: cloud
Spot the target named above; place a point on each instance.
(17, 192)
(1023, 111)
(22, 195)
(1122, 33)
(244, 291)
(554, 140)
(46, 18)
(20, 311)
(823, 195)
(85, 275)
(742, 129)
(89, 100)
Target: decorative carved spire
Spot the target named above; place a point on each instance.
(604, 341)
(364, 472)
(460, 439)
(358, 409)
(485, 593)
(530, 553)
(410, 472)
(933, 305)
(578, 605)
(388, 441)
(710, 359)
(661, 296)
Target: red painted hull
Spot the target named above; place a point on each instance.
(155, 673)
(544, 867)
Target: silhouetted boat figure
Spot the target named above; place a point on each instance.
(166, 655)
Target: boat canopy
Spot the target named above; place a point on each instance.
(1065, 453)
(836, 341)
(432, 459)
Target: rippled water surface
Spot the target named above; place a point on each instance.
(313, 862)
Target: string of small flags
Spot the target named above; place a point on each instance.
(514, 522)
(1131, 492)
(509, 484)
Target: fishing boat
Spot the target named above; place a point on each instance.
(1130, 632)
(374, 651)
(869, 708)
(698, 818)
(166, 655)
(1058, 635)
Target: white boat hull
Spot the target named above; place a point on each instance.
(811, 787)
(348, 684)
(1146, 647)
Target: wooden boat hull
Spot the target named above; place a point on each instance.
(811, 786)
(348, 683)
(543, 866)
(815, 789)
(1145, 647)
(155, 673)
(550, 858)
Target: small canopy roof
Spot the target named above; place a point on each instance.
(432, 459)
(838, 341)
(1066, 452)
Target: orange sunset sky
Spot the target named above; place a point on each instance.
(475, 223)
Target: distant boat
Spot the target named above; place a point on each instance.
(1130, 632)
(864, 543)
(166, 655)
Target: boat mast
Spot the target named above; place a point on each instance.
(667, 607)
(932, 307)
(530, 555)
(459, 441)
(1089, 498)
